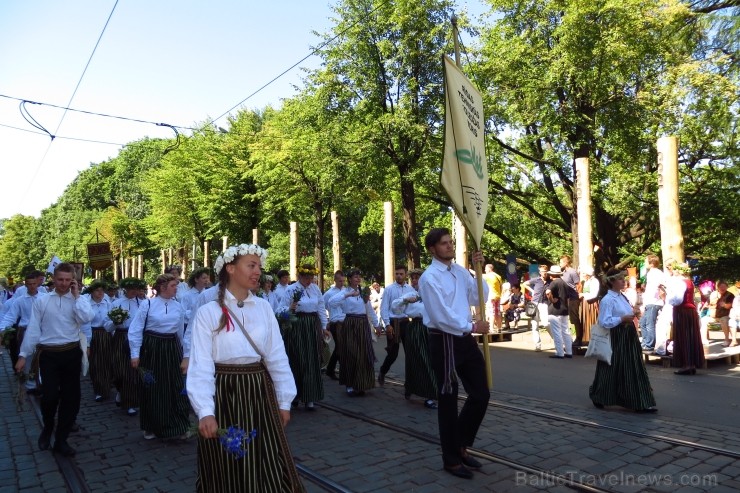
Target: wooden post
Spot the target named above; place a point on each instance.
(389, 253)
(460, 237)
(115, 270)
(206, 254)
(140, 271)
(225, 243)
(335, 241)
(671, 235)
(124, 267)
(255, 236)
(294, 250)
(169, 256)
(583, 208)
(164, 261)
(192, 257)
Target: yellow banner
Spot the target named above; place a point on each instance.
(464, 173)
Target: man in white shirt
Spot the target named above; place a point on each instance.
(448, 291)
(652, 302)
(396, 325)
(54, 330)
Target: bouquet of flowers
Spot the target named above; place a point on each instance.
(8, 336)
(283, 314)
(147, 376)
(118, 315)
(235, 439)
(297, 295)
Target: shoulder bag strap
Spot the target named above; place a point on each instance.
(244, 331)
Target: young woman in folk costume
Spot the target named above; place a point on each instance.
(239, 379)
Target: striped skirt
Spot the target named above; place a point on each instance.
(164, 407)
(624, 383)
(589, 316)
(420, 379)
(356, 354)
(245, 398)
(304, 345)
(688, 351)
(125, 378)
(101, 353)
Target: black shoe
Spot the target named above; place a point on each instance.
(98, 398)
(407, 396)
(688, 371)
(44, 441)
(597, 405)
(381, 379)
(556, 356)
(64, 449)
(430, 404)
(471, 462)
(569, 356)
(649, 410)
(460, 471)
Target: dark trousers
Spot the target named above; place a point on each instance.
(574, 316)
(60, 378)
(331, 366)
(15, 345)
(393, 342)
(458, 431)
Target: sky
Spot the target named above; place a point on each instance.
(176, 62)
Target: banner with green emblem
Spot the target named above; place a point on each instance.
(464, 173)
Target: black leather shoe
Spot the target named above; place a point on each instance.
(555, 356)
(64, 449)
(381, 379)
(471, 462)
(688, 371)
(460, 471)
(597, 405)
(44, 441)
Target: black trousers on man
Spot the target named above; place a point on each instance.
(393, 342)
(60, 380)
(458, 431)
(574, 316)
(331, 366)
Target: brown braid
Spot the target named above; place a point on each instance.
(223, 280)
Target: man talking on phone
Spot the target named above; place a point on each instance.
(54, 332)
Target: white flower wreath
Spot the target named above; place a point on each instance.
(232, 252)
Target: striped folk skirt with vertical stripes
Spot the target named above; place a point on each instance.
(125, 378)
(304, 345)
(101, 353)
(688, 351)
(356, 354)
(624, 383)
(420, 379)
(245, 398)
(164, 407)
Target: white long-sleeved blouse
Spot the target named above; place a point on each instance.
(165, 316)
(231, 347)
(354, 305)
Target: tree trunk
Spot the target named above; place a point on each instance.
(318, 248)
(408, 204)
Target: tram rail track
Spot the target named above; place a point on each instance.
(548, 476)
(591, 424)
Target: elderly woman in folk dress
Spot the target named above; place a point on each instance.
(625, 382)
(420, 379)
(157, 348)
(239, 378)
(99, 331)
(304, 339)
(356, 354)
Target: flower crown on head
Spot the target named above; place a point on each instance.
(231, 253)
(681, 268)
(307, 270)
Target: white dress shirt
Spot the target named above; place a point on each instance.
(131, 305)
(353, 305)
(231, 347)
(100, 317)
(335, 312)
(651, 294)
(612, 308)
(19, 307)
(188, 302)
(401, 307)
(311, 300)
(205, 296)
(55, 320)
(448, 294)
(162, 316)
(280, 295)
(392, 292)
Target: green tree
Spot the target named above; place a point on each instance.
(16, 245)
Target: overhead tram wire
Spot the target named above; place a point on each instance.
(312, 53)
(48, 147)
(63, 137)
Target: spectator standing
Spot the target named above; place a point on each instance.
(537, 287)
(557, 311)
(652, 302)
(571, 279)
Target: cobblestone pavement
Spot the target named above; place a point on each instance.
(363, 457)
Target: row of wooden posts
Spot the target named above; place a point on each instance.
(670, 226)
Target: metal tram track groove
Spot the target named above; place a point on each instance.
(559, 417)
(549, 476)
(321, 480)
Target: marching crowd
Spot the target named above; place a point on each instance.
(241, 353)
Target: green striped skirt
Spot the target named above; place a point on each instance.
(164, 407)
(624, 383)
(245, 398)
(356, 354)
(125, 378)
(420, 378)
(101, 371)
(304, 345)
